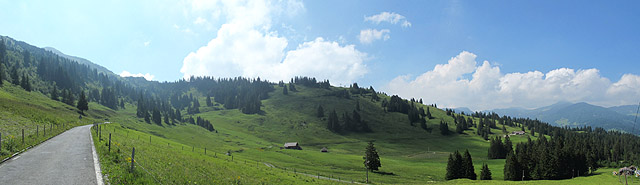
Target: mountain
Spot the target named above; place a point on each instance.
(79, 60)
(578, 115)
(625, 109)
(463, 109)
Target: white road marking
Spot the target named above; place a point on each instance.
(15, 158)
(96, 163)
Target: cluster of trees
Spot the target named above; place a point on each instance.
(444, 128)
(235, 93)
(347, 123)
(310, 82)
(499, 150)
(459, 167)
(202, 123)
(462, 124)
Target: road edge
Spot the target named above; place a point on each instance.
(96, 161)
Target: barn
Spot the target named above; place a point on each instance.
(293, 145)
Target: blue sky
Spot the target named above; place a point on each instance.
(570, 50)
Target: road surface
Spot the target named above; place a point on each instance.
(65, 159)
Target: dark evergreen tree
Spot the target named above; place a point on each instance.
(371, 158)
(333, 123)
(467, 166)
(178, 115)
(485, 173)
(82, 103)
(54, 93)
(156, 117)
(444, 128)
(209, 103)
(292, 88)
(428, 114)
(451, 168)
(285, 90)
(512, 168)
(14, 75)
(320, 111)
(166, 119)
(147, 117)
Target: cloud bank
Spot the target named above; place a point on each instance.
(447, 85)
(389, 17)
(245, 45)
(147, 76)
(367, 36)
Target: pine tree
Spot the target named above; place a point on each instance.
(371, 158)
(467, 166)
(156, 117)
(209, 103)
(511, 168)
(429, 114)
(320, 112)
(14, 75)
(285, 91)
(444, 128)
(451, 168)
(54, 93)
(147, 117)
(508, 146)
(485, 174)
(178, 115)
(82, 103)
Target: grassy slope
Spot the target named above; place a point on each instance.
(31, 111)
(409, 154)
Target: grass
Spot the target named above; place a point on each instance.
(36, 115)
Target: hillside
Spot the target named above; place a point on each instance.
(578, 115)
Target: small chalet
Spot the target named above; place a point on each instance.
(324, 149)
(293, 145)
(517, 133)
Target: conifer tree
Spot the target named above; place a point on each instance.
(371, 158)
(485, 174)
(147, 117)
(451, 168)
(156, 117)
(209, 103)
(14, 75)
(320, 112)
(82, 103)
(54, 93)
(285, 91)
(467, 166)
(511, 168)
(444, 128)
(429, 114)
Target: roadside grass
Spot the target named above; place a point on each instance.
(37, 115)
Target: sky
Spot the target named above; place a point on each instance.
(476, 54)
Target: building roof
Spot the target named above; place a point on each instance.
(294, 144)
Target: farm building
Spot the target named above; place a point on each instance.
(324, 149)
(517, 133)
(293, 145)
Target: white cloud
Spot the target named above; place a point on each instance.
(488, 88)
(369, 35)
(246, 46)
(200, 21)
(146, 43)
(147, 76)
(389, 17)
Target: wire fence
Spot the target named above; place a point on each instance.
(120, 136)
(14, 140)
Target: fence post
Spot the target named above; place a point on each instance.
(23, 136)
(45, 131)
(192, 148)
(36, 131)
(149, 139)
(0, 141)
(109, 142)
(205, 151)
(133, 154)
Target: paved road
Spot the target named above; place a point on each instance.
(64, 159)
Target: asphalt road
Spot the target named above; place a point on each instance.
(64, 159)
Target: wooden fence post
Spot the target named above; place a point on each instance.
(109, 142)
(23, 136)
(192, 148)
(0, 141)
(149, 139)
(37, 131)
(133, 154)
(205, 151)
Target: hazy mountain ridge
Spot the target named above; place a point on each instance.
(578, 114)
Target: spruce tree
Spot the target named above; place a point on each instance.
(429, 113)
(508, 146)
(511, 168)
(371, 158)
(320, 112)
(82, 103)
(209, 103)
(54, 93)
(451, 168)
(147, 117)
(14, 75)
(485, 174)
(285, 91)
(467, 166)
(444, 128)
(156, 117)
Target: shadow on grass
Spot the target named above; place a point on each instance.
(384, 173)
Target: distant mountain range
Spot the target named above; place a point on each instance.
(577, 115)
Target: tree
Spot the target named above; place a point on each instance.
(209, 103)
(25, 84)
(82, 103)
(429, 114)
(333, 122)
(485, 174)
(511, 168)
(285, 91)
(54, 93)
(444, 128)
(3, 51)
(156, 117)
(320, 112)
(14, 75)
(371, 158)
(147, 117)
(467, 166)
(454, 166)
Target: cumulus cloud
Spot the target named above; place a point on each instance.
(389, 17)
(488, 88)
(369, 35)
(147, 76)
(246, 46)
